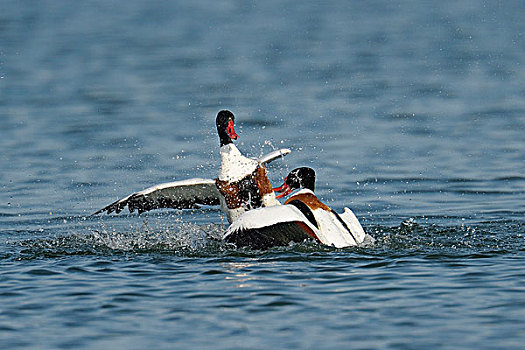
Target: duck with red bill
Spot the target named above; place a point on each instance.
(241, 185)
(301, 217)
(284, 190)
(302, 177)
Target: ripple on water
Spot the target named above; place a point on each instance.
(42, 272)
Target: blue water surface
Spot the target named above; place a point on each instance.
(411, 113)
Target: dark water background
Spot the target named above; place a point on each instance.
(412, 114)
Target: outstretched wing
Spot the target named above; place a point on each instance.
(274, 155)
(185, 194)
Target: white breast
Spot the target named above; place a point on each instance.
(235, 166)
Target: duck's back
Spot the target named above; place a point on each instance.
(334, 229)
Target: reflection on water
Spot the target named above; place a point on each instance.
(239, 274)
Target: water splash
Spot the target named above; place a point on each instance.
(181, 238)
(410, 237)
(190, 239)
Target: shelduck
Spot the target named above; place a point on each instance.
(303, 216)
(242, 183)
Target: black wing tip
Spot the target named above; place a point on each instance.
(96, 213)
(113, 207)
(102, 211)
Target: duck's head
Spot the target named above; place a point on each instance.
(225, 127)
(302, 177)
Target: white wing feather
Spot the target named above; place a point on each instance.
(274, 155)
(354, 225)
